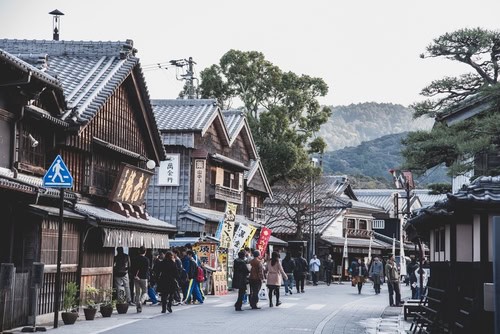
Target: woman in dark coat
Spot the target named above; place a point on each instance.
(240, 278)
(168, 275)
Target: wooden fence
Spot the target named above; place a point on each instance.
(46, 296)
(17, 302)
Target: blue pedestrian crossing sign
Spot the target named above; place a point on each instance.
(58, 175)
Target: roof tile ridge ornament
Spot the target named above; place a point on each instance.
(128, 49)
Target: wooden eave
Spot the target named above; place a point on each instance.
(220, 126)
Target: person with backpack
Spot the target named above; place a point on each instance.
(193, 288)
(300, 272)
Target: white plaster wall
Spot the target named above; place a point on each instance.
(464, 242)
(476, 239)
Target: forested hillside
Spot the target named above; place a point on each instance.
(353, 124)
(368, 164)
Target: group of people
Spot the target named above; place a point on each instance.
(250, 269)
(171, 273)
(377, 271)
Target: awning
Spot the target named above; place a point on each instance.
(109, 218)
(54, 212)
(121, 231)
(276, 241)
(135, 239)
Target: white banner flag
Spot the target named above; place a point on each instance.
(370, 250)
(402, 250)
(240, 236)
(345, 247)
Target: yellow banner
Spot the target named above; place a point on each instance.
(250, 236)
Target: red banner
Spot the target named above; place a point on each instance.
(265, 235)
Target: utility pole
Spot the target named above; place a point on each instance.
(188, 76)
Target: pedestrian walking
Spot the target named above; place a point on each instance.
(376, 272)
(167, 281)
(275, 276)
(240, 278)
(121, 279)
(393, 282)
(329, 266)
(140, 268)
(288, 266)
(300, 272)
(182, 276)
(359, 272)
(256, 278)
(193, 288)
(314, 265)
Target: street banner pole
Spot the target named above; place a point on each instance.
(58, 176)
(59, 259)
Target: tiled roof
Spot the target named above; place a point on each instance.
(181, 115)
(89, 72)
(383, 197)
(482, 194)
(25, 66)
(234, 120)
(483, 190)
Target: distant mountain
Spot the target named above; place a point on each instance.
(368, 164)
(353, 124)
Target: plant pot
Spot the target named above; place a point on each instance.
(122, 308)
(106, 311)
(89, 313)
(69, 318)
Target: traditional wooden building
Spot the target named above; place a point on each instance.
(88, 103)
(459, 232)
(335, 213)
(211, 160)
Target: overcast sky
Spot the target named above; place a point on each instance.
(365, 50)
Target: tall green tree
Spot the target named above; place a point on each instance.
(480, 50)
(282, 108)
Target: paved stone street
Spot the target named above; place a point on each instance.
(336, 309)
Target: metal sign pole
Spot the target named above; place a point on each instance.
(59, 259)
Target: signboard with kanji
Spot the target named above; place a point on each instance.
(199, 180)
(131, 185)
(168, 173)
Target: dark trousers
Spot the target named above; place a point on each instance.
(166, 299)
(255, 285)
(394, 289)
(376, 283)
(241, 294)
(328, 274)
(299, 281)
(314, 275)
(391, 293)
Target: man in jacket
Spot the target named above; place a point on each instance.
(120, 273)
(300, 272)
(376, 273)
(240, 276)
(256, 278)
(393, 281)
(314, 265)
(140, 270)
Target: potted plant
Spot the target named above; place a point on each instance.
(121, 302)
(107, 304)
(90, 309)
(69, 303)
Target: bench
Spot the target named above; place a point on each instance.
(428, 317)
(336, 279)
(411, 307)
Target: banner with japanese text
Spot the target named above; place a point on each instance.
(240, 236)
(226, 239)
(248, 242)
(265, 235)
(206, 253)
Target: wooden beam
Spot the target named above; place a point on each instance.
(97, 271)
